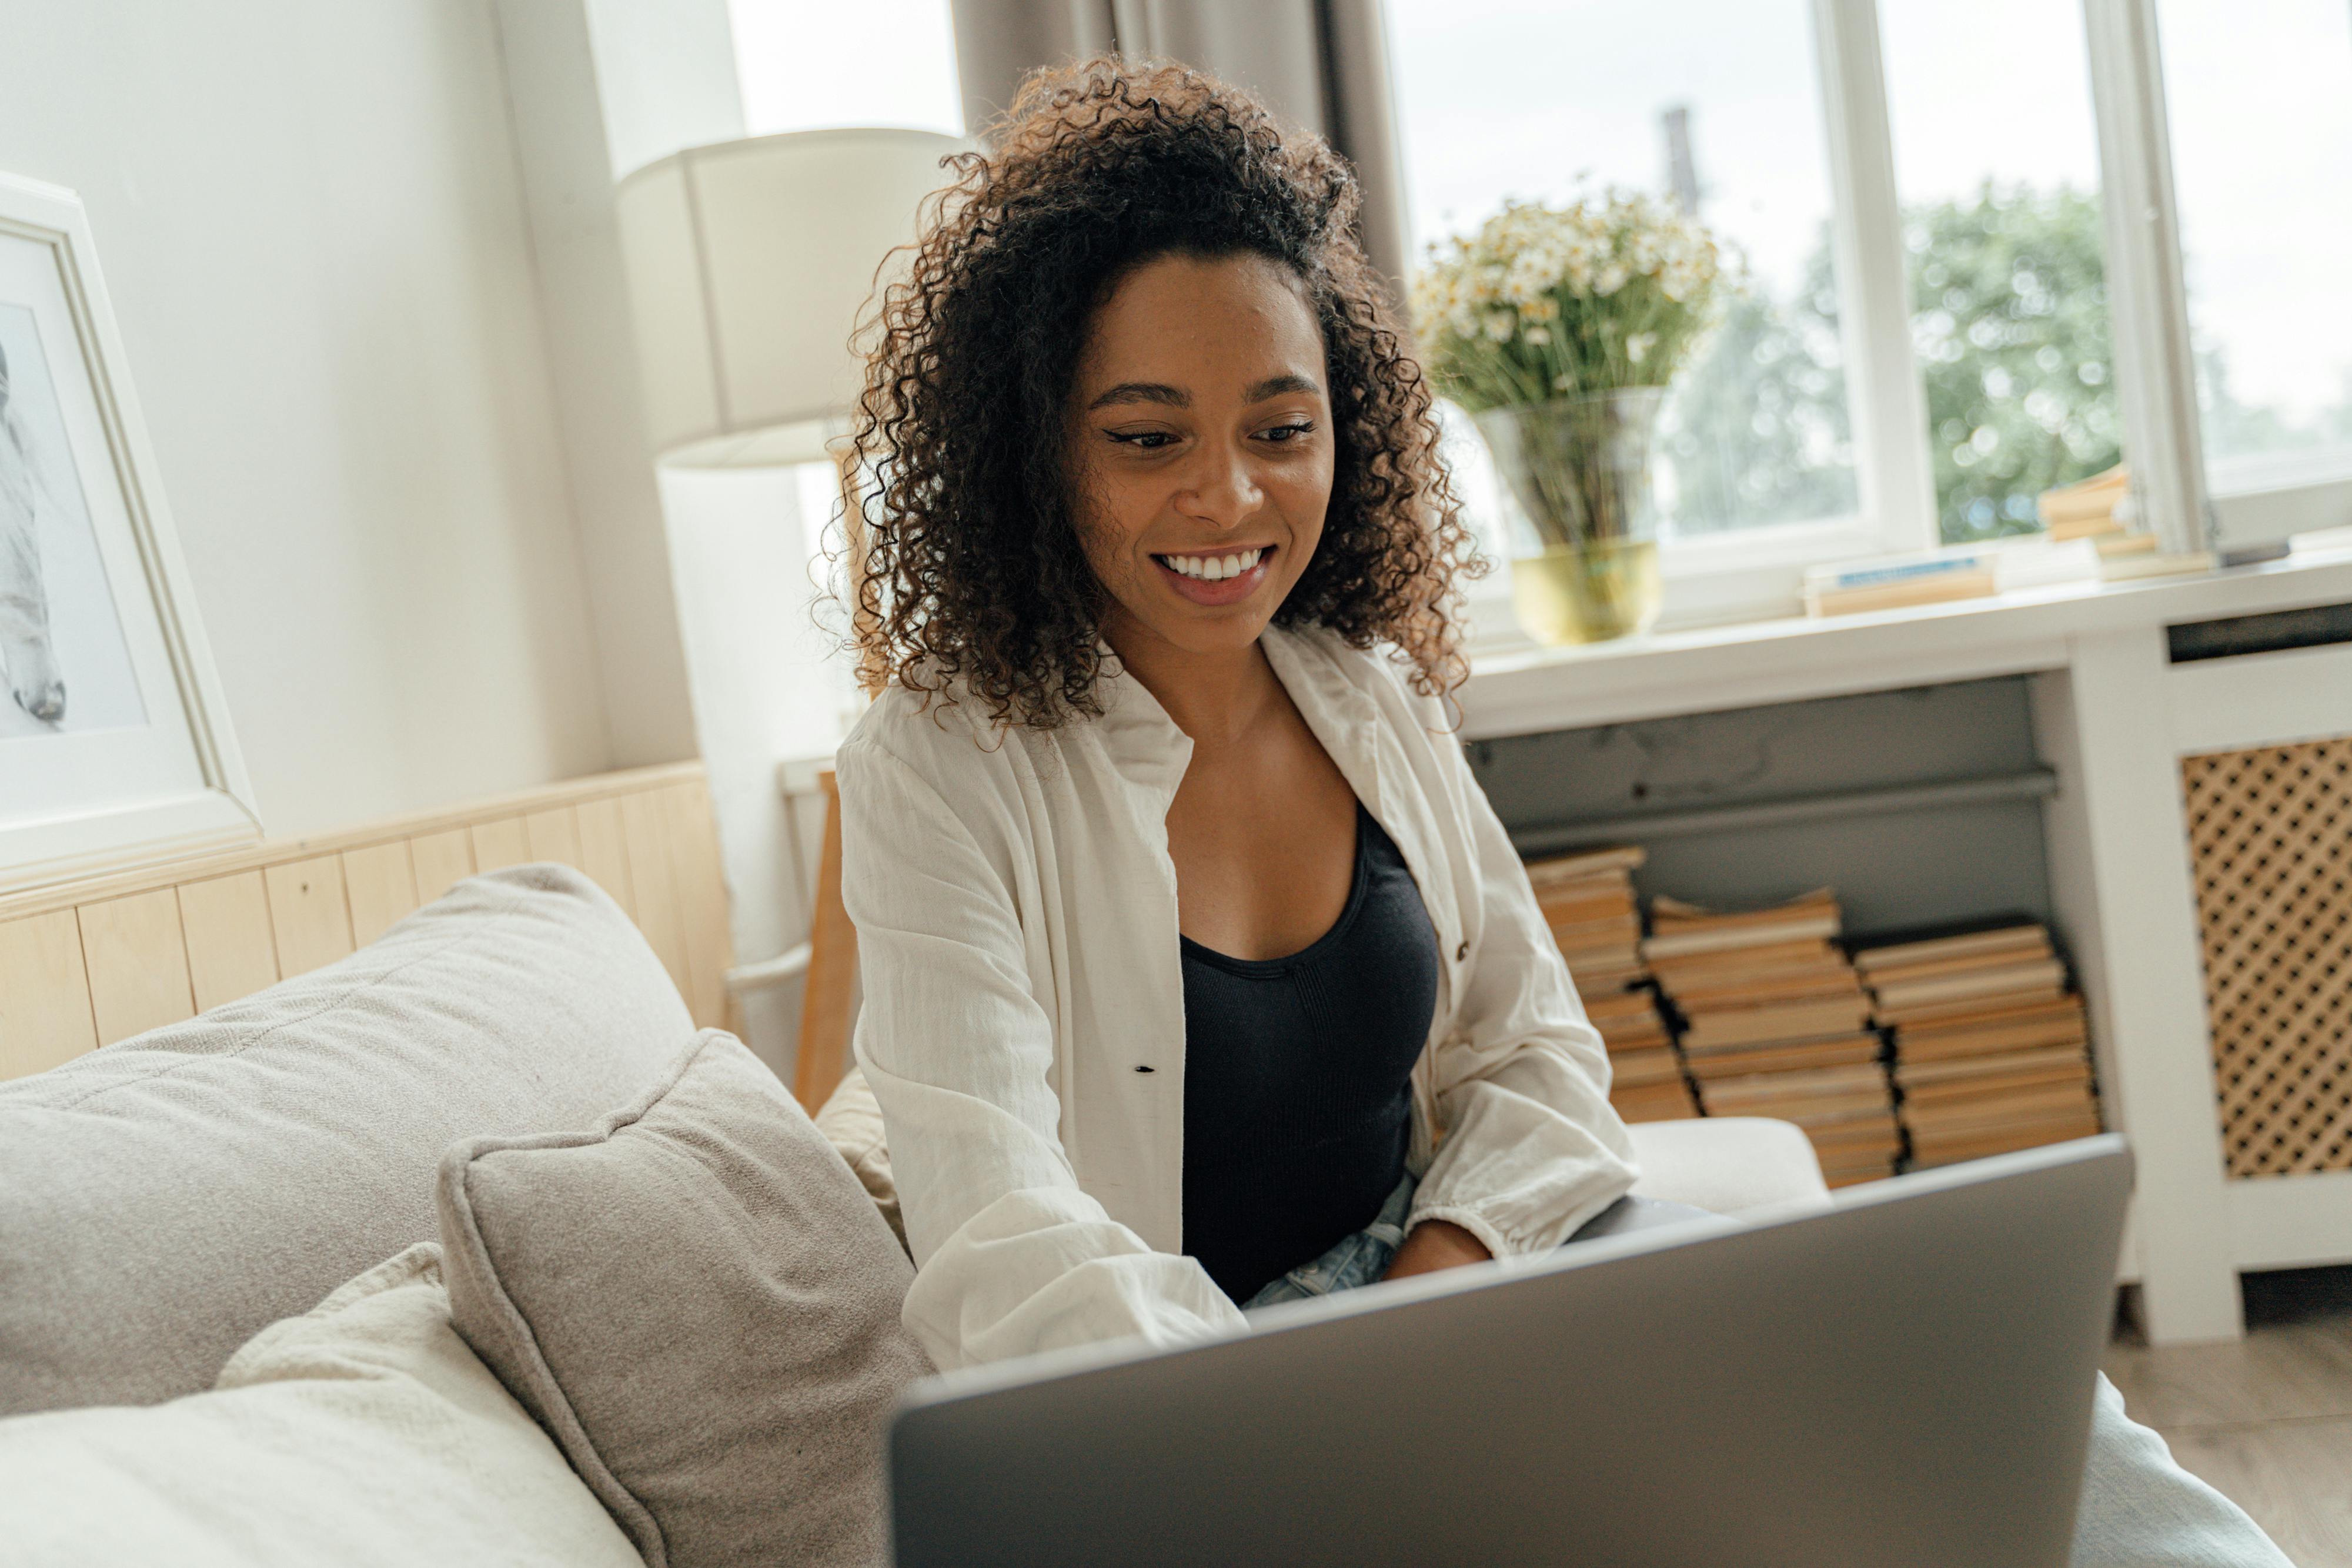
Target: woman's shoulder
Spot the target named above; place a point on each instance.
(915, 726)
(943, 737)
(1342, 672)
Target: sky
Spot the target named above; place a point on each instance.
(1521, 97)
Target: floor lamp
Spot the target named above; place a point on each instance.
(750, 264)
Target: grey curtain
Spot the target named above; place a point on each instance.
(1322, 65)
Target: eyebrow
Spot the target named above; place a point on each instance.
(1144, 392)
(1275, 386)
(1177, 397)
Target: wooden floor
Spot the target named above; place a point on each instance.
(2268, 1421)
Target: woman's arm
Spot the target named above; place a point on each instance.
(1532, 1148)
(1011, 1256)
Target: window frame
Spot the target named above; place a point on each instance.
(2242, 508)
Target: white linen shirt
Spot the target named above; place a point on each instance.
(1023, 1019)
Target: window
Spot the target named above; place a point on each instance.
(1931, 340)
(802, 65)
(2259, 94)
(1715, 101)
(1996, 166)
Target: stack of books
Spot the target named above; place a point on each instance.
(1899, 582)
(1774, 1023)
(1587, 901)
(2092, 509)
(2100, 509)
(1990, 1048)
(1645, 1080)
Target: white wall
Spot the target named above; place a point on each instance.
(309, 218)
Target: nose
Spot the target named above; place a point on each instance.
(1225, 492)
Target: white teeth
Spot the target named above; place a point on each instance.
(1214, 568)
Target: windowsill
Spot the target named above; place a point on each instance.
(1523, 689)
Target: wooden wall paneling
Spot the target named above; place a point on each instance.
(137, 963)
(380, 885)
(442, 860)
(654, 885)
(45, 1017)
(308, 912)
(701, 884)
(231, 952)
(500, 843)
(604, 850)
(553, 836)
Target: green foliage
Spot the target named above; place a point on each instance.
(1759, 431)
(2009, 323)
(2010, 326)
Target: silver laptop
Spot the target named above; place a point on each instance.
(1901, 1381)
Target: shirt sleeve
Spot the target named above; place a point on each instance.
(1531, 1146)
(1011, 1256)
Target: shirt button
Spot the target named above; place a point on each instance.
(1461, 954)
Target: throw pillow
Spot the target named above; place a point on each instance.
(165, 1198)
(363, 1434)
(701, 1303)
(851, 1120)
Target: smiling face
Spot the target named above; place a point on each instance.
(1201, 449)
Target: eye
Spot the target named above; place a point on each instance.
(1146, 439)
(1284, 434)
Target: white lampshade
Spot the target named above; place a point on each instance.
(748, 263)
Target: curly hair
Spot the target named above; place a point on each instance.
(973, 569)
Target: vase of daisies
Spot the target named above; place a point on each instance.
(1560, 329)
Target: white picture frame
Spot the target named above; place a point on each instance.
(115, 742)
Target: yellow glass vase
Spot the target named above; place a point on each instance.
(1588, 593)
(1579, 469)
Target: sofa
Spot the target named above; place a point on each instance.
(471, 1246)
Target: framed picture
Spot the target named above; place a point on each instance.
(115, 744)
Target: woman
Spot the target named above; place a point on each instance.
(1198, 970)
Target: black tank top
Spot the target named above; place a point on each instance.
(1298, 1078)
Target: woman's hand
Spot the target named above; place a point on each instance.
(1435, 1244)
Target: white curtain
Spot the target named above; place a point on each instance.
(1321, 65)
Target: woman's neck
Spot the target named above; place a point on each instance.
(1214, 697)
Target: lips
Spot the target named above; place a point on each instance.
(1224, 590)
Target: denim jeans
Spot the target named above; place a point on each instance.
(2138, 1509)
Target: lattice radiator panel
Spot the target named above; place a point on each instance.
(2270, 834)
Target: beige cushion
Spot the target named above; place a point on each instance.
(851, 1120)
(363, 1434)
(164, 1200)
(1728, 1165)
(701, 1304)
